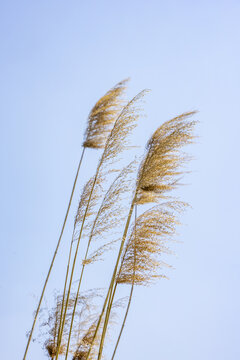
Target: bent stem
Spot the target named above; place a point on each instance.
(54, 256)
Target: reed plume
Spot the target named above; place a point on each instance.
(100, 122)
(111, 212)
(86, 342)
(53, 324)
(103, 115)
(161, 166)
(89, 341)
(86, 208)
(84, 314)
(148, 240)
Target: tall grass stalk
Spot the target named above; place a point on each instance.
(73, 267)
(119, 185)
(110, 291)
(129, 299)
(124, 123)
(54, 256)
(100, 121)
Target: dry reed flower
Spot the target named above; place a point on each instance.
(82, 205)
(111, 212)
(86, 209)
(147, 242)
(85, 308)
(118, 139)
(87, 342)
(53, 324)
(159, 171)
(103, 115)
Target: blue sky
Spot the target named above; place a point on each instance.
(57, 59)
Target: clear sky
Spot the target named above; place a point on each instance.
(57, 58)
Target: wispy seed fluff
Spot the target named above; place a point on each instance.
(147, 242)
(160, 169)
(103, 115)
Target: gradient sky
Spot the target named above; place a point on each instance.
(57, 58)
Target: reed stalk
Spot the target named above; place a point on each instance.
(116, 142)
(73, 266)
(114, 277)
(100, 121)
(54, 256)
(64, 292)
(107, 207)
(130, 296)
(75, 303)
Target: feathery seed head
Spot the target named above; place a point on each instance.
(111, 212)
(160, 169)
(88, 341)
(147, 242)
(103, 115)
(85, 307)
(84, 203)
(117, 141)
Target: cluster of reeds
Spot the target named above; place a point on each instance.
(135, 218)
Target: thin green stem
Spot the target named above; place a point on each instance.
(54, 256)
